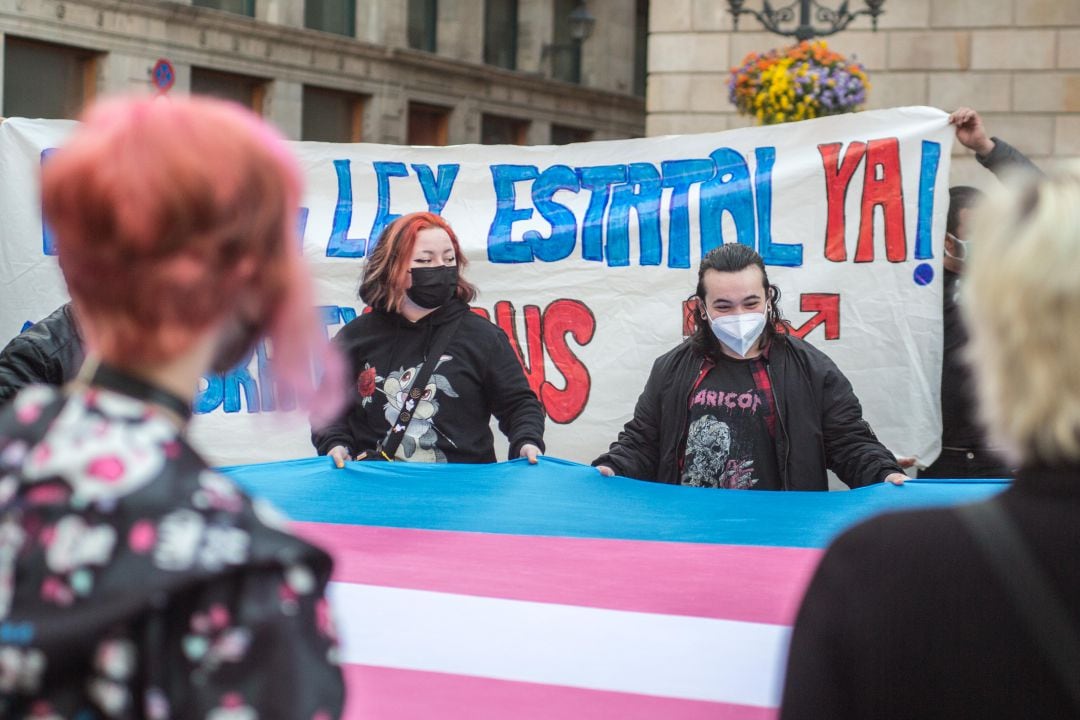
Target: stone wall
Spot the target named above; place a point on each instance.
(1015, 61)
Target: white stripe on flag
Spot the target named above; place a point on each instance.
(665, 655)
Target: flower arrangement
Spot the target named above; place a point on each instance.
(805, 81)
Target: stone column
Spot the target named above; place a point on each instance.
(536, 26)
(284, 107)
(182, 73)
(386, 116)
(460, 32)
(119, 73)
(539, 132)
(607, 57)
(464, 123)
(280, 12)
(383, 22)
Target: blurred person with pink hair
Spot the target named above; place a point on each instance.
(134, 581)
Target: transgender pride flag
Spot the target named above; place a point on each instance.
(486, 592)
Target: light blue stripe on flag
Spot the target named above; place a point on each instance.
(560, 498)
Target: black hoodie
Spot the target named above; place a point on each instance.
(479, 376)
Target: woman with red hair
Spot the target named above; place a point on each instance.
(134, 581)
(419, 309)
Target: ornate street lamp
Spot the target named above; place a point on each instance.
(774, 19)
(581, 22)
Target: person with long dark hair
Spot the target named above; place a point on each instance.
(742, 403)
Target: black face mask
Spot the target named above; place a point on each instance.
(433, 287)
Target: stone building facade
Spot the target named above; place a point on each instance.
(390, 71)
(1015, 61)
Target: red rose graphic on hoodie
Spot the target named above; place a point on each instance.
(365, 384)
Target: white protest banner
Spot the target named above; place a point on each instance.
(585, 253)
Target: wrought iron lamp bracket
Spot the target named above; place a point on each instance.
(775, 18)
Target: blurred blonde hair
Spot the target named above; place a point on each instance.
(1021, 298)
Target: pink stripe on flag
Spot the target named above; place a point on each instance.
(731, 582)
(376, 693)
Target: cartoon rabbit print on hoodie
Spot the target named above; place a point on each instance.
(421, 435)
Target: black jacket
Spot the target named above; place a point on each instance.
(906, 619)
(821, 424)
(960, 426)
(49, 352)
(1004, 158)
(480, 377)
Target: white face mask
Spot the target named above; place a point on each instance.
(961, 246)
(739, 332)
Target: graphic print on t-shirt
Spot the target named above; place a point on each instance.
(421, 436)
(728, 444)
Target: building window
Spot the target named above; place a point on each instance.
(423, 20)
(565, 51)
(239, 7)
(243, 89)
(641, 42)
(499, 130)
(428, 124)
(331, 116)
(43, 80)
(332, 16)
(564, 135)
(500, 33)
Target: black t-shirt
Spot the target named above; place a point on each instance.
(728, 443)
(960, 427)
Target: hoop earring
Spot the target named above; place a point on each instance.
(702, 312)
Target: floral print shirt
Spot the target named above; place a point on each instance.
(137, 583)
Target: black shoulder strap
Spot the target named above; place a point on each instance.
(1017, 569)
(390, 443)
